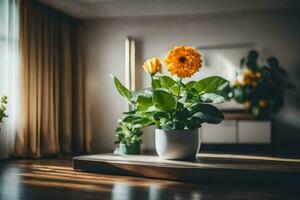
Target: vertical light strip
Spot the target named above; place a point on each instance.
(132, 64)
(127, 63)
(129, 66)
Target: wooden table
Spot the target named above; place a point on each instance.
(207, 168)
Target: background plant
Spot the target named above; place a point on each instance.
(129, 130)
(3, 105)
(171, 104)
(262, 86)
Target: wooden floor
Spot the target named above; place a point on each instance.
(55, 179)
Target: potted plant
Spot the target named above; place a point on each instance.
(175, 106)
(129, 134)
(262, 86)
(3, 105)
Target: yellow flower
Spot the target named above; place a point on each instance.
(152, 66)
(258, 74)
(251, 78)
(248, 73)
(262, 103)
(247, 105)
(237, 83)
(183, 61)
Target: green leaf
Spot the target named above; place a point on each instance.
(155, 83)
(144, 102)
(212, 98)
(251, 64)
(190, 85)
(273, 62)
(213, 84)
(159, 115)
(253, 55)
(122, 89)
(191, 124)
(173, 126)
(207, 113)
(197, 119)
(182, 115)
(163, 100)
(142, 122)
(132, 112)
(238, 94)
(191, 97)
(179, 105)
(175, 89)
(130, 118)
(119, 129)
(144, 92)
(145, 114)
(255, 110)
(163, 121)
(167, 82)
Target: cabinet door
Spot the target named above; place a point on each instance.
(223, 133)
(254, 132)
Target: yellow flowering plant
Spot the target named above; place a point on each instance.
(262, 86)
(171, 103)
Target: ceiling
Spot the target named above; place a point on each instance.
(134, 8)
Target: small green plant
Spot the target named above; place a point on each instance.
(3, 105)
(129, 130)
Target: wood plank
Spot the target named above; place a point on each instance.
(207, 168)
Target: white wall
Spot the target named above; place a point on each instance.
(277, 33)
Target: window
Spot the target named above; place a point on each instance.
(9, 71)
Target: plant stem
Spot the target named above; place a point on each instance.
(152, 81)
(179, 88)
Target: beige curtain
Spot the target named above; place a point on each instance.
(54, 111)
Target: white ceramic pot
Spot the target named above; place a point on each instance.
(177, 144)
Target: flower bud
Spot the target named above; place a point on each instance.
(152, 66)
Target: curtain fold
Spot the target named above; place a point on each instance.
(54, 117)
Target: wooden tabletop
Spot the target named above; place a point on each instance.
(207, 168)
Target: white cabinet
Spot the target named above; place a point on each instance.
(224, 133)
(254, 132)
(237, 132)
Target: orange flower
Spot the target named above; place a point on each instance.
(247, 105)
(258, 75)
(248, 73)
(262, 103)
(183, 61)
(152, 66)
(237, 83)
(250, 78)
